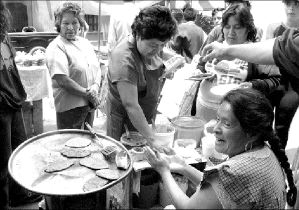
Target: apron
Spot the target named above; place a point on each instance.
(147, 98)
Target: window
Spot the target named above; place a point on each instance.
(92, 21)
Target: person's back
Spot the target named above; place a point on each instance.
(120, 23)
(194, 36)
(190, 36)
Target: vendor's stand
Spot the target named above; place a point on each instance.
(65, 189)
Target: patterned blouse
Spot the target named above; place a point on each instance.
(252, 179)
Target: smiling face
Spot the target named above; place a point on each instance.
(230, 137)
(233, 32)
(148, 48)
(69, 26)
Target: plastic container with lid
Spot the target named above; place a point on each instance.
(188, 127)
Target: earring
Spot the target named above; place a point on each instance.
(246, 146)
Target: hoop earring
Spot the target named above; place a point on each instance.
(246, 146)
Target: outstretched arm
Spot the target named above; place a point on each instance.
(259, 52)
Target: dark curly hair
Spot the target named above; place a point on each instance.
(4, 20)
(177, 14)
(154, 22)
(245, 18)
(244, 2)
(68, 7)
(255, 114)
(190, 14)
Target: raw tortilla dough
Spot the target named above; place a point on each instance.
(94, 184)
(75, 153)
(58, 166)
(110, 174)
(78, 142)
(94, 163)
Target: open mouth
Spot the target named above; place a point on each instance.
(219, 141)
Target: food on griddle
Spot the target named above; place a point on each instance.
(94, 163)
(110, 174)
(75, 153)
(59, 165)
(94, 184)
(78, 142)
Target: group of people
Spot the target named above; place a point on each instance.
(253, 175)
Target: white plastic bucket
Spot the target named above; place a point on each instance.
(164, 135)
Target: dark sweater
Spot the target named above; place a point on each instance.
(12, 93)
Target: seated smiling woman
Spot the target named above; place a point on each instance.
(252, 177)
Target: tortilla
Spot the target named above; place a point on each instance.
(78, 142)
(75, 153)
(110, 174)
(94, 184)
(59, 165)
(94, 163)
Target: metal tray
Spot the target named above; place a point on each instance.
(27, 162)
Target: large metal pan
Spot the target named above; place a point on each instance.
(27, 162)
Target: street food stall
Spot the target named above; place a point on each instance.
(73, 169)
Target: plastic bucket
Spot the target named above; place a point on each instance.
(207, 102)
(206, 110)
(188, 127)
(164, 135)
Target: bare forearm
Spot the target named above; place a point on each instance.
(138, 120)
(70, 85)
(259, 52)
(179, 198)
(194, 175)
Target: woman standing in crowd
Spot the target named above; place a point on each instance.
(252, 176)
(284, 98)
(134, 71)
(282, 51)
(12, 128)
(74, 70)
(237, 28)
(216, 33)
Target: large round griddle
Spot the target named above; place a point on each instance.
(28, 161)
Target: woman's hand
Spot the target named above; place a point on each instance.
(92, 95)
(156, 160)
